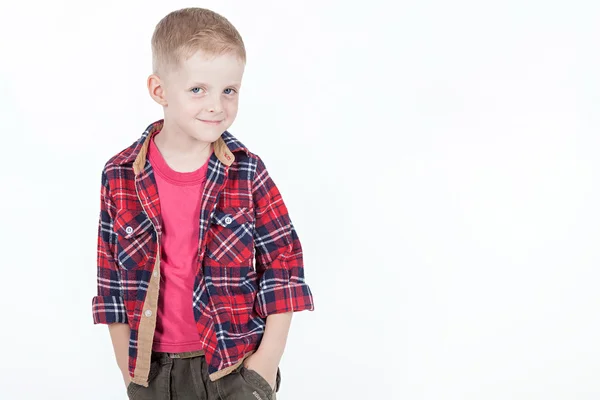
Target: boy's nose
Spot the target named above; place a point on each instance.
(215, 107)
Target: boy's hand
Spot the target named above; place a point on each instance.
(263, 366)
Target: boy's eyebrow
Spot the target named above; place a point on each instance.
(236, 84)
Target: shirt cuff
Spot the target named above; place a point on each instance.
(280, 292)
(109, 309)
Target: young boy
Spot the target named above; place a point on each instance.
(199, 265)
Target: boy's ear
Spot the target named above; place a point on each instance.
(156, 89)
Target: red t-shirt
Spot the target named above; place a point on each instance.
(179, 194)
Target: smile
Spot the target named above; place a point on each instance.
(211, 122)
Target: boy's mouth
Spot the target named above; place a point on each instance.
(211, 122)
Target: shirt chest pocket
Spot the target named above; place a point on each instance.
(135, 235)
(230, 237)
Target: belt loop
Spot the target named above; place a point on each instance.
(162, 358)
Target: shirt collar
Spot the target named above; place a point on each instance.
(224, 147)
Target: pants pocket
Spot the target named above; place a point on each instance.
(256, 380)
(134, 388)
(244, 383)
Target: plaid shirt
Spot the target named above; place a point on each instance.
(249, 256)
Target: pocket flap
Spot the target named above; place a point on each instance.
(130, 224)
(230, 217)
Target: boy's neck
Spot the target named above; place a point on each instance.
(181, 152)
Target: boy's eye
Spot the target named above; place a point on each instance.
(230, 91)
(196, 90)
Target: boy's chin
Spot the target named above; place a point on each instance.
(207, 135)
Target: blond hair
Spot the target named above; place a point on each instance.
(182, 33)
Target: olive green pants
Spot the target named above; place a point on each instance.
(187, 379)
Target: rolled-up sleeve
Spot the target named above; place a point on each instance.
(108, 305)
(279, 261)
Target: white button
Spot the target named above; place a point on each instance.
(228, 220)
(129, 230)
(155, 273)
(148, 313)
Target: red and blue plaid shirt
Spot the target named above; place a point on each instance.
(249, 256)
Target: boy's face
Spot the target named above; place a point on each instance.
(200, 96)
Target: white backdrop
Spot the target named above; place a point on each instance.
(439, 161)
